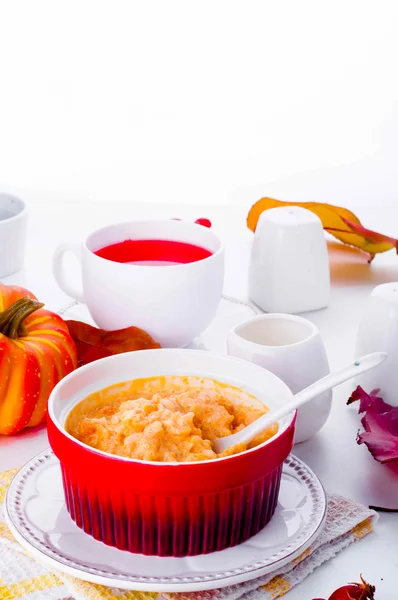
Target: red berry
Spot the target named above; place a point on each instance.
(354, 591)
(203, 222)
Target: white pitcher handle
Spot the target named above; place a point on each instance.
(59, 271)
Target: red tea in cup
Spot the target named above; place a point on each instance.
(153, 252)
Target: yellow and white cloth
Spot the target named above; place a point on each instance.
(21, 577)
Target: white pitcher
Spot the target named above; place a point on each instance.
(378, 331)
(291, 347)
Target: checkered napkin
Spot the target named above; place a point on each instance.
(23, 578)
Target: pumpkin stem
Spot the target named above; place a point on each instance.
(12, 319)
(7, 314)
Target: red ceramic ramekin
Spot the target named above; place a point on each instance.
(169, 509)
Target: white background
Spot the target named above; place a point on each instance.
(206, 102)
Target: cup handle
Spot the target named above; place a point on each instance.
(59, 271)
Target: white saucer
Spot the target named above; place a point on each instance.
(37, 516)
(230, 312)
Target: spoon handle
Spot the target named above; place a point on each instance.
(326, 383)
(365, 363)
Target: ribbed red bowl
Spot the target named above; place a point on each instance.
(169, 509)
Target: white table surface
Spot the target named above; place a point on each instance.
(342, 465)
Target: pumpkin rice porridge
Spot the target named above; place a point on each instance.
(165, 419)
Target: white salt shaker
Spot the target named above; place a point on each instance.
(289, 268)
(378, 331)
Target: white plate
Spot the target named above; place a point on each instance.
(37, 516)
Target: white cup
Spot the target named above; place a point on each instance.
(13, 222)
(173, 303)
(290, 347)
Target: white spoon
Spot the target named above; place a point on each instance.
(326, 383)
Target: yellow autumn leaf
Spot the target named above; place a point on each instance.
(342, 223)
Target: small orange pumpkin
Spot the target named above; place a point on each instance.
(36, 351)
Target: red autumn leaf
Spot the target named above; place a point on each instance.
(368, 401)
(353, 591)
(380, 423)
(93, 343)
(372, 237)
